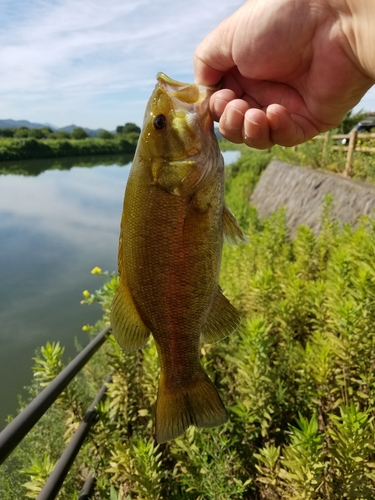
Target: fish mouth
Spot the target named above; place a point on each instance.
(187, 106)
(187, 92)
(193, 98)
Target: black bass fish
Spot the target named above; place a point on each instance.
(172, 230)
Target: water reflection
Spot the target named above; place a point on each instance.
(36, 167)
(230, 156)
(54, 228)
(57, 222)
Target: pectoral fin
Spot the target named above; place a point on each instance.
(176, 177)
(232, 231)
(127, 326)
(222, 320)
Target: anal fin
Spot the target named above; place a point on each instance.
(232, 231)
(127, 326)
(223, 319)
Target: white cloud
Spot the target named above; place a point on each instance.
(89, 58)
(93, 63)
(76, 205)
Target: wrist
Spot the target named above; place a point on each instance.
(358, 23)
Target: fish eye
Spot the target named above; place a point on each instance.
(159, 122)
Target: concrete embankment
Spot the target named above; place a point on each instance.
(302, 192)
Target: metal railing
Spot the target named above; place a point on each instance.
(13, 434)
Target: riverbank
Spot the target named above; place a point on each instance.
(28, 149)
(59, 218)
(297, 378)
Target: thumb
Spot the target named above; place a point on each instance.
(213, 56)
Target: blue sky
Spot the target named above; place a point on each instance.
(93, 62)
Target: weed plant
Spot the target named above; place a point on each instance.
(298, 380)
(311, 154)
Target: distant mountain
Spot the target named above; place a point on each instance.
(25, 123)
(68, 128)
(21, 123)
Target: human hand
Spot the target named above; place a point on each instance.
(289, 70)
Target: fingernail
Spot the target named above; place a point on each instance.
(219, 106)
(275, 122)
(251, 128)
(233, 118)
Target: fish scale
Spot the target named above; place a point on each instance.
(172, 231)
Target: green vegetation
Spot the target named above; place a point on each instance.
(24, 143)
(298, 380)
(11, 149)
(79, 133)
(350, 120)
(312, 154)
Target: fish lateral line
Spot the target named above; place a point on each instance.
(172, 232)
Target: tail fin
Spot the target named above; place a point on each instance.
(198, 404)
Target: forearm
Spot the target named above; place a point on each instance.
(359, 28)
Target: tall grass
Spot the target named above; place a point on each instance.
(311, 154)
(298, 380)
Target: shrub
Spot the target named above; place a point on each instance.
(298, 381)
(104, 134)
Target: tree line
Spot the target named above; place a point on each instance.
(129, 131)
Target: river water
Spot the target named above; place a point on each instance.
(58, 220)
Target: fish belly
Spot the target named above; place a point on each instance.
(169, 263)
(171, 258)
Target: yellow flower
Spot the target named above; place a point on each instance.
(96, 270)
(86, 294)
(84, 328)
